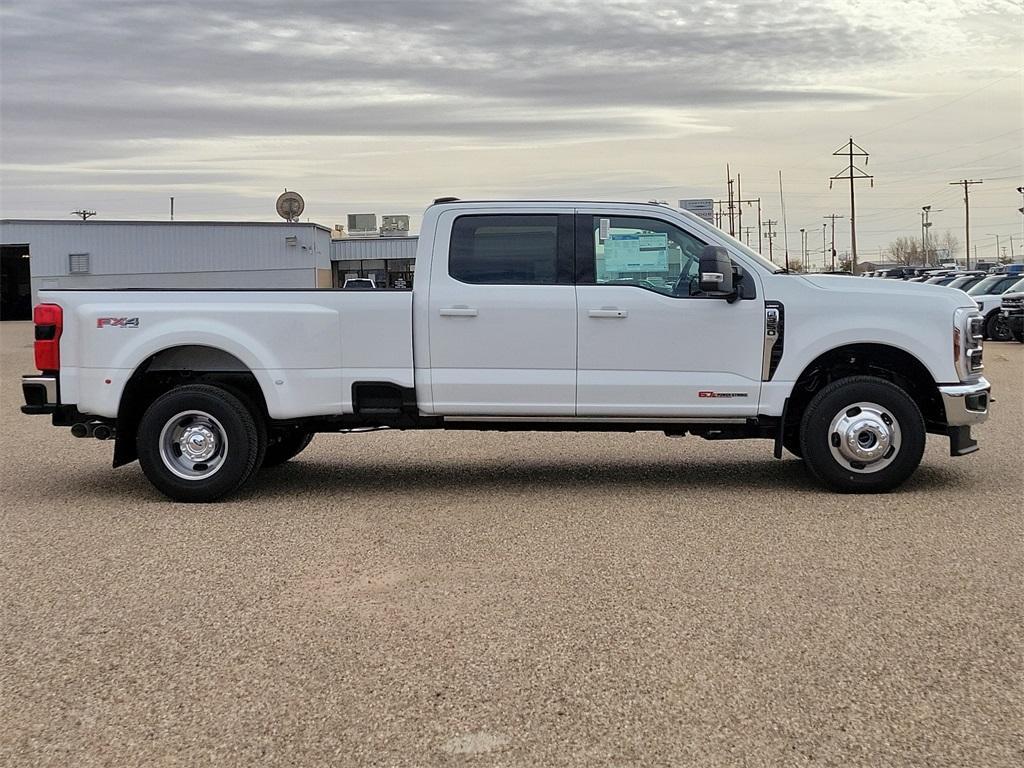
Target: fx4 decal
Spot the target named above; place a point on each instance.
(117, 322)
(705, 393)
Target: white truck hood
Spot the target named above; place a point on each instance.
(877, 286)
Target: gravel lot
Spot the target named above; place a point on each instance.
(505, 600)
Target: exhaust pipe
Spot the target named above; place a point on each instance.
(96, 429)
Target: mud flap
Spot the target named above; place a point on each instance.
(960, 442)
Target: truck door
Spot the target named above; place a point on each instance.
(650, 344)
(502, 314)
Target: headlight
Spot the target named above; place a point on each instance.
(968, 332)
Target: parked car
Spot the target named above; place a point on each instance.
(516, 323)
(1008, 269)
(964, 282)
(1012, 313)
(359, 284)
(987, 294)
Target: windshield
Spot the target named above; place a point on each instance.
(963, 283)
(991, 284)
(771, 266)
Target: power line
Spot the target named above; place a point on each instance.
(950, 149)
(940, 106)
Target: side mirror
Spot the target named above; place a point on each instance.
(716, 272)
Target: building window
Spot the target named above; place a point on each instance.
(78, 263)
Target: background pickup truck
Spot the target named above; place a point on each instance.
(524, 315)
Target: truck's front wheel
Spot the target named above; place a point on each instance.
(997, 328)
(198, 443)
(862, 434)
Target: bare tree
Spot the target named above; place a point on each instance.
(905, 251)
(945, 247)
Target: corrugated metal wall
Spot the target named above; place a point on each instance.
(172, 254)
(374, 248)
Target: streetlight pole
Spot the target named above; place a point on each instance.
(924, 238)
(803, 248)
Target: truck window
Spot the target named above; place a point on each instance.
(505, 250)
(647, 253)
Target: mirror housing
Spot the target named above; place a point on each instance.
(716, 276)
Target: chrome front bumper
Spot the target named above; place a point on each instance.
(966, 404)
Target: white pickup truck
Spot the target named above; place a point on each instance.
(524, 316)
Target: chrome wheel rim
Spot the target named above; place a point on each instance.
(193, 445)
(864, 437)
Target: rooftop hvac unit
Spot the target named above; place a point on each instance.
(394, 226)
(362, 225)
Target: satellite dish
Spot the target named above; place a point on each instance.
(290, 205)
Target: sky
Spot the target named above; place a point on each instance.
(383, 106)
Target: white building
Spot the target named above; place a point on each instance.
(39, 254)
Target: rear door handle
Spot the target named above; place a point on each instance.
(461, 311)
(608, 312)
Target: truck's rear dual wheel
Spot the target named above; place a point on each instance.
(862, 434)
(199, 443)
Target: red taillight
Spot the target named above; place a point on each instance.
(49, 322)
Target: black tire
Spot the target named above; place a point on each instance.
(285, 446)
(219, 421)
(839, 402)
(996, 329)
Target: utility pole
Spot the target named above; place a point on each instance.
(785, 226)
(824, 245)
(966, 184)
(172, 209)
(732, 220)
(853, 173)
(746, 234)
(771, 238)
(83, 213)
(833, 217)
(803, 248)
(739, 206)
(759, 224)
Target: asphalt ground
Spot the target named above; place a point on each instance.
(466, 598)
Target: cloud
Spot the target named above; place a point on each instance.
(108, 72)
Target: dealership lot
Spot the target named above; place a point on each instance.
(511, 599)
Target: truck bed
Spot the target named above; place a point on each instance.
(305, 347)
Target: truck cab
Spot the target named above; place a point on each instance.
(533, 315)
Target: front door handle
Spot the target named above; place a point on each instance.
(460, 311)
(608, 312)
